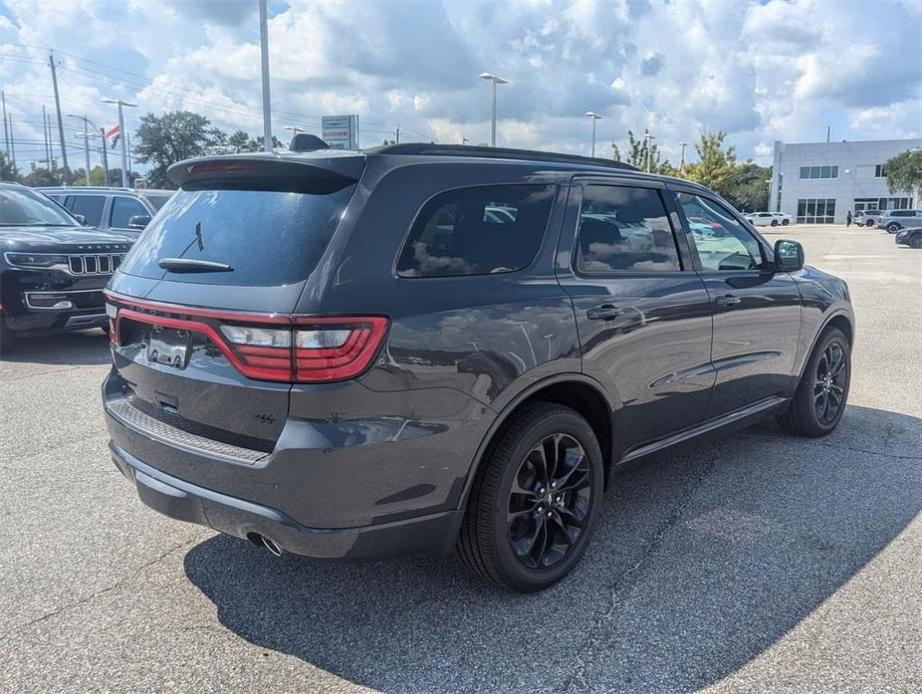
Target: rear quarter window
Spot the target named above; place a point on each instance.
(479, 230)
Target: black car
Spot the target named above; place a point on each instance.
(422, 347)
(52, 268)
(909, 237)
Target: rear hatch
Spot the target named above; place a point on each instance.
(203, 336)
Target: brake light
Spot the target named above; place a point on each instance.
(336, 349)
(273, 347)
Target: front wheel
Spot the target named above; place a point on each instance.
(893, 227)
(774, 222)
(820, 399)
(916, 241)
(7, 337)
(785, 222)
(869, 223)
(535, 500)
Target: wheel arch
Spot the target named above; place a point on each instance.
(838, 319)
(577, 391)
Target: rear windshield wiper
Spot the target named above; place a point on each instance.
(192, 265)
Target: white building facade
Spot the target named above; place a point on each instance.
(818, 183)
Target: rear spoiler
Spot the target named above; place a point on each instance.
(296, 174)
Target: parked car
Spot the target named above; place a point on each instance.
(121, 210)
(866, 218)
(785, 219)
(768, 219)
(910, 237)
(52, 268)
(418, 372)
(894, 220)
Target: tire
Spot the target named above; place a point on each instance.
(807, 414)
(785, 222)
(869, 224)
(7, 337)
(893, 227)
(774, 222)
(503, 529)
(915, 241)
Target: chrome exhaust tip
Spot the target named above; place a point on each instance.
(273, 548)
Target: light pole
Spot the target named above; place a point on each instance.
(86, 143)
(495, 80)
(122, 136)
(594, 117)
(264, 61)
(682, 163)
(646, 138)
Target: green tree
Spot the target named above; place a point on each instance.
(642, 153)
(241, 141)
(162, 141)
(904, 171)
(716, 166)
(747, 188)
(8, 172)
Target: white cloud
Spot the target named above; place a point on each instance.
(781, 69)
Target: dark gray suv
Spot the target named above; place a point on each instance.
(422, 347)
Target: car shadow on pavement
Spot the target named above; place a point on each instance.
(87, 347)
(700, 562)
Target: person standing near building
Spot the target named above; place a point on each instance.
(848, 218)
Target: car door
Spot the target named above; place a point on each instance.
(643, 314)
(757, 311)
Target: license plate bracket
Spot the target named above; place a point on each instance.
(169, 347)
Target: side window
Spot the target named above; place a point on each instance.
(90, 206)
(721, 241)
(479, 230)
(624, 229)
(124, 209)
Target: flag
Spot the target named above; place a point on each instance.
(112, 135)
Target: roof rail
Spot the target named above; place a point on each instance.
(426, 149)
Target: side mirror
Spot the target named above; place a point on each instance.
(138, 221)
(80, 218)
(789, 256)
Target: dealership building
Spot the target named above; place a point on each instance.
(818, 183)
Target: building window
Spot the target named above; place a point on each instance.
(816, 210)
(882, 204)
(880, 171)
(819, 171)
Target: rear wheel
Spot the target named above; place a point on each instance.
(774, 222)
(785, 222)
(916, 241)
(869, 223)
(820, 399)
(535, 501)
(893, 227)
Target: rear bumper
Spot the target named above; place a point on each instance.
(187, 502)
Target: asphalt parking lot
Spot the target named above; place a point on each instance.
(758, 562)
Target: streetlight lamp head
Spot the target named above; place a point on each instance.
(592, 114)
(494, 78)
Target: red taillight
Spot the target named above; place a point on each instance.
(335, 349)
(272, 347)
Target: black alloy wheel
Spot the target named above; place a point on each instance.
(535, 499)
(549, 501)
(829, 384)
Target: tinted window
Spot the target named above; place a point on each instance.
(124, 209)
(90, 206)
(157, 200)
(722, 242)
(622, 229)
(477, 231)
(267, 237)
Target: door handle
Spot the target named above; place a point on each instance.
(603, 312)
(728, 300)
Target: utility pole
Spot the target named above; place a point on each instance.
(594, 117)
(264, 59)
(45, 137)
(86, 142)
(57, 105)
(12, 142)
(682, 164)
(494, 80)
(397, 140)
(128, 144)
(6, 134)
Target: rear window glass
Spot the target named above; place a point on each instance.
(268, 238)
(477, 231)
(156, 200)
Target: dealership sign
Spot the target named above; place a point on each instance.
(341, 132)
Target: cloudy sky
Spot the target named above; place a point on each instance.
(759, 70)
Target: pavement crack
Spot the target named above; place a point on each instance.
(102, 591)
(577, 680)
